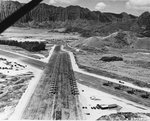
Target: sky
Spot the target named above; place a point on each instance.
(135, 7)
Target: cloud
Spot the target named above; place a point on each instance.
(119, 0)
(138, 4)
(62, 1)
(21, 1)
(52, 2)
(48, 1)
(100, 6)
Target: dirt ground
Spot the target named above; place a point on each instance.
(91, 97)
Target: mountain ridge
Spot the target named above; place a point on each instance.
(45, 12)
(78, 19)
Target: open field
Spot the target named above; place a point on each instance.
(31, 34)
(56, 95)
(134, 68)
(104, 75)
(133, 51)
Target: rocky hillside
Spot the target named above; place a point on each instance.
(44, 12)
(8, 7)
(144, 20)
(144, 23)
(77, 19)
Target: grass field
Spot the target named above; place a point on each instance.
(134, 68)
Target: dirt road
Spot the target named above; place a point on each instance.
(56, 95)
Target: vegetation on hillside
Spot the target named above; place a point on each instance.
(88, 29)
(30, 46)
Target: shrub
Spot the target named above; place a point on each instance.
(113, 58)
(145, 96)
(108, 84)
(118, 88)
(130, 91)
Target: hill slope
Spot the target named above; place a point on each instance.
(115, 40)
